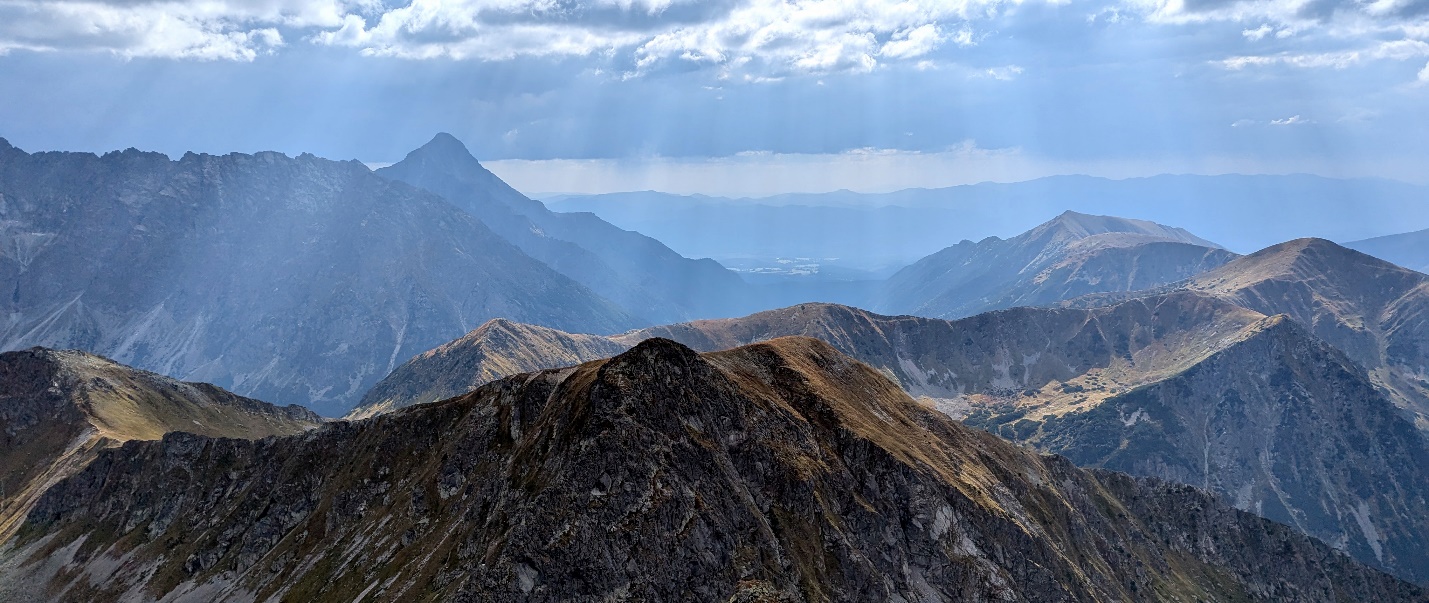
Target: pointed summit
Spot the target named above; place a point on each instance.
(443, 149)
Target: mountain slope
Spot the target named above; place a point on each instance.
(783, 471)
(59, 408)
(291, 279)
(1069, 256)
(637, 272)
(497, 349)
(1278, 423)
(1375, 312)
(1410, 249)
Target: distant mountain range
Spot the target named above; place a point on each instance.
(1070, 256)
(783, 471)
(872, 230)
(1410, 249)
(199, 267)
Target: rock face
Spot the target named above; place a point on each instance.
(298, 280)
(59, 408)
(1070, 256)
(1377, 313)
(641, 274)
(782, 471)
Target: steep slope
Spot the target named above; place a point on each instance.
(59, 408)
(1375, 312)
(1278, 423)
(783, 471)
(1069, 256)
(497, 349)
(633, 270)
(290, 279)
(1410, 249)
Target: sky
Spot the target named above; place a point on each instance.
(737, 97)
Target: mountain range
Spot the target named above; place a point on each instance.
(1095, 409)
(1125, 386)
(292, 279)
(199, 267)
(870, 230)
(782, 471)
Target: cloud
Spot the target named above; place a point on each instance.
(1397, 50)
(1293, 120)
(1242, 123)
(760, 38)
(913, 42)
(1424, 73)
(1004, 73)
(1257, 34)
(209, 30)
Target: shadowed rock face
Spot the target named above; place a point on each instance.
(782, 471)
(59, 408)
(642, 275)
(298, 280)
(1069, 256)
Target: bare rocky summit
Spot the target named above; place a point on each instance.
(782, 471)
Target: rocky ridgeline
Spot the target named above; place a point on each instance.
(782, 471)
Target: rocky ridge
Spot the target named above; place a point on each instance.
(58, 409)
(783, 471)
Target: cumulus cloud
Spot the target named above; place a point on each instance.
(210, 30)
(1424, 73)
(1293, 120)
(758, 40)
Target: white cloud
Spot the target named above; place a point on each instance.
(1293, 120)
(1398, 50)
(1242, 123)
(1424, 73)
(757, 39)
(207, 30)
(1257, 34)
(913, 42)
(1004, 73)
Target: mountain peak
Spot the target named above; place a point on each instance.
(1080, 226)
(443, 147)
(5, 144)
